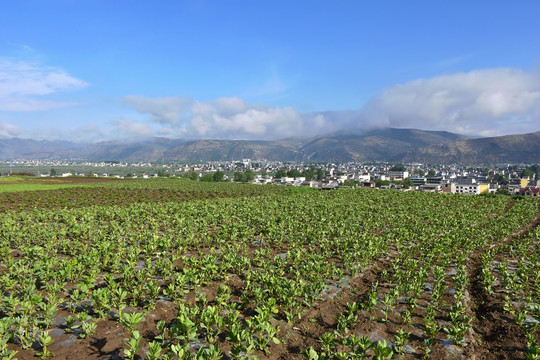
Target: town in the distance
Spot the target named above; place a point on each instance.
(504, 179)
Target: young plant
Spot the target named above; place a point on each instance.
(381, 351)
(88, 329)
(154, 351)
(131, 320)
(400, 340)
(133, 345)
(45, 340)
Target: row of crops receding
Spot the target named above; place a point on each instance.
(265, 272)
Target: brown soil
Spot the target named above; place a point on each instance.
(494, 335)
(89, 196)
(66, 180)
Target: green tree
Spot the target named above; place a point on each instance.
(309, 174)
(249, 175)
(536, 170)
(280, 173)
(431, 173)
(500, 179)
(527, 172)
(293, 173)
(407, 183)
(207, 178)
(379, 183)
(218, 176)
(239, 176)
(191, 175)
(53, 172)
(398, 167)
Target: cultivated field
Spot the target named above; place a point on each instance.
(174, 269)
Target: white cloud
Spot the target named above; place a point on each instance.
(8, 130)
(167, 110)
(231, 118)
(133, 128)
(495, 101)
(483, 102)
(23, 84)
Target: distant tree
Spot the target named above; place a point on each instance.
(207, 178)
(129, 175)
(293, 173)
(379, 183)
(431, 173)
(527, 172)
(398, 167)
(309, 174)
(407, 183)
(320, 174)
(419, 172)
(53, 172)
(536, 170)
(351, 183)
(280, 173)
(249, 175)
(239, 176)
(191, 175)
(500, 179)
(218, 176)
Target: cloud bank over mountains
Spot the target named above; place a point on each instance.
(227, 118)
(487, 102)
(8, 130)
(483, 102)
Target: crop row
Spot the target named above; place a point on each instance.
(237, 277)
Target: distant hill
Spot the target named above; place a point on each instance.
(16, 148)
(395, 145)
(134, 151)
(380, 144)
(377, 145)
(221, 150)
(523, 148)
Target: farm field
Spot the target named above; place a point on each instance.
(174, 269)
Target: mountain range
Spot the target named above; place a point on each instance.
(387, 144)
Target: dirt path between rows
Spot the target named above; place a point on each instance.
(496, 336)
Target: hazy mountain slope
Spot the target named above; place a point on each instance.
(135, 151)
(16, 148)
(522, 148)
(380, 144)
(397, 145)
(216, 150)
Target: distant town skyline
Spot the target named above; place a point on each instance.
(102, 70)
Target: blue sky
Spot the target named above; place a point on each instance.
(98, 70)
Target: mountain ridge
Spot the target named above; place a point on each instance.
(383, 144)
